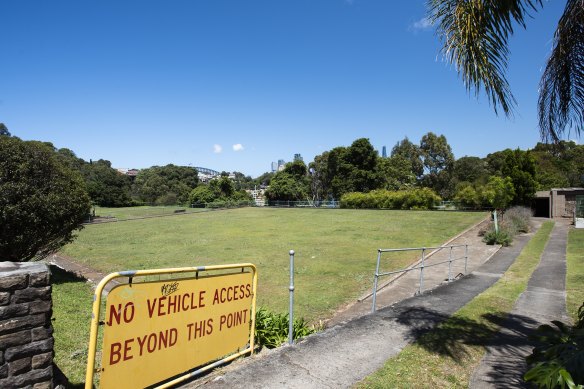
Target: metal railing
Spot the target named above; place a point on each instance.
(420, 265)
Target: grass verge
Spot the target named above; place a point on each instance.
(447, 355)
(575, 272)
(72, 299)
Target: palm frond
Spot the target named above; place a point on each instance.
(561, 95)
(475, 39)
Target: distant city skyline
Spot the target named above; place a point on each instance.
(234, 85)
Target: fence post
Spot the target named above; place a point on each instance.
(422, 271)
(450, 265)
(465, 257)
(375, 277)
(291, 289)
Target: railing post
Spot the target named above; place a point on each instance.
(422, 271)
(450, 265)
(291, 288)
(375, 280)
(465, 257)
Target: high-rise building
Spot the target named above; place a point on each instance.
(281, 164)
(274, 167)
(384, 152)
(298, 157)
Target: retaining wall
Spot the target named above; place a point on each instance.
(26, 335)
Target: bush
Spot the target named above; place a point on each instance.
(272, 328)
(558, 360)
(512, 222)
(42, 200)
(518, 218)
(423, 198)
(503, 237)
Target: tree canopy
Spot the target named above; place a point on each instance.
(475, 36)
(42, 200)
(105, 185)
(4, 130)
(168, 184)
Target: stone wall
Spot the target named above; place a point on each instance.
(26, 335)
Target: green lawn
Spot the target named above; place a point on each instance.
(336, 253)
(451, 352)
(335, 249)
(144, 211)
(72, 299)
(575, 278)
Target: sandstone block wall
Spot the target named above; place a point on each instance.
(26, 335)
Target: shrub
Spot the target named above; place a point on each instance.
(519, 218)
(423, 198)
(272, 328)
(42, 200)
(558, 360)
(504, 237)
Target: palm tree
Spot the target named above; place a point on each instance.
(475, 37)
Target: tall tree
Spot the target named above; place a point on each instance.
(4, 130)
(519, 166)
(411, 152)
(475, 35)
(470, 169)
(438, 160)
(396, 172)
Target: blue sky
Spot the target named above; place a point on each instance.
(235, 85)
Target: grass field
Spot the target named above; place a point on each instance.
(335, 260)
(130, 213)
(72, 299)
(335, 249)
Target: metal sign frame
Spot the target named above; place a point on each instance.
(96, 314)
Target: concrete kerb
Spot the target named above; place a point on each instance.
(419, 261)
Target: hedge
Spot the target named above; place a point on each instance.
(423, 198)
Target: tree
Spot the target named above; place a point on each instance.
(242, 181)
(396, 172)
(346, 169)
(467, 196)
(559, 165)
(519, 166)
(470, 169)
(42, 200)
(499, 192)
(286, 187)
(264, 179)
(3, 130)
(219, 189)
(157, 182)
(411, 152)
(105, 185)
(202, 194)
(475, 36)
(297, 169)
(438, 160)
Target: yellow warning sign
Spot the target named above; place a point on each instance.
(156, 330)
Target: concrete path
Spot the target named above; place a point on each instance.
(402, 286)
(544, 300)
(345, 354)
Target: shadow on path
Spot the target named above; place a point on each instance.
(450, 337)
